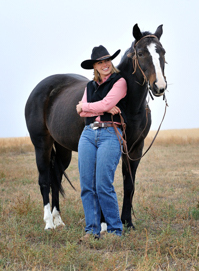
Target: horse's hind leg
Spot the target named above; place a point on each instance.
(43, 149)
(62, 158)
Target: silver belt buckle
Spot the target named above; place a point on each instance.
(92, 125)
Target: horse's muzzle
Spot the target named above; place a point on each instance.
(159, 90)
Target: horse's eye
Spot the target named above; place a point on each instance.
(140, 54)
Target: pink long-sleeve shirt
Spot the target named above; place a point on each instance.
(117, 92)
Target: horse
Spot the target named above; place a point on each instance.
(55, 127)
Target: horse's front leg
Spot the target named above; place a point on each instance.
(103, 223)
(129, 187)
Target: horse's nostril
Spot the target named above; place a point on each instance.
(162, 90)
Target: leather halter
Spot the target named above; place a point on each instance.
(147, 36)
(135, 58)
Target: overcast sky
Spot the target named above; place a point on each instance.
(44, 37)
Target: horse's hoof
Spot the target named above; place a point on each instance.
(48, 228)
(60, 227)
(132, 227)
(129, 226)
(59, 224)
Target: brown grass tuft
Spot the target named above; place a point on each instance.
(175, 137)
(17, 145)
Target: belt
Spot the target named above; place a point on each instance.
(95, 125)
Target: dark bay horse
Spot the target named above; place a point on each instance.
(55, 127)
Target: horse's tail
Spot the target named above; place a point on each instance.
(57, 171)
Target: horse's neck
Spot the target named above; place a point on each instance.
(136, 96)
(137, 91)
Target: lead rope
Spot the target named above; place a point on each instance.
(122, 138)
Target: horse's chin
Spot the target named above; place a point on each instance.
(158, 93)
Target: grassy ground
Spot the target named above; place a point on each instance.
(166, 204)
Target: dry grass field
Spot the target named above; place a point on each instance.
(166, 205)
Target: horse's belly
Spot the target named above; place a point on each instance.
(66, 131)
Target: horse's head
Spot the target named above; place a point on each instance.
(149, 59)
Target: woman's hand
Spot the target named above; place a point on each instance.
(79, 107)
(115, 110)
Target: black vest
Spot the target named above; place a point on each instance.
(97, 92)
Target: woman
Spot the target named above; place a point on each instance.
(99, 149)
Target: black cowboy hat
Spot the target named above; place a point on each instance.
(98, 53)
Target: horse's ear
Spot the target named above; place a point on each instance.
(136, 32)
(159, 31)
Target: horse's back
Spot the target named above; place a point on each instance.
(44, 88)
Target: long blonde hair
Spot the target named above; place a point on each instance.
(97, 76)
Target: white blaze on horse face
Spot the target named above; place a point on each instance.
(48, 218)
(160, 81)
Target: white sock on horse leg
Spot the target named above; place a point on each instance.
(103, 226)
(57, 218)
(48, 218)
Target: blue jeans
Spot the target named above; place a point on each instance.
(99, 153)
